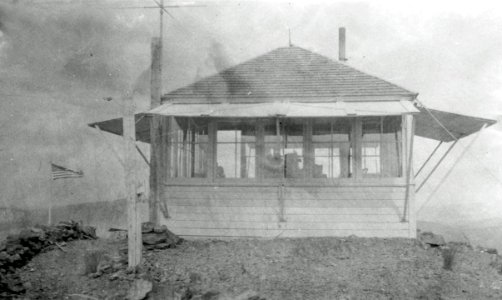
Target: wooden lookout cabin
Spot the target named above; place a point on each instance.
(289, 144)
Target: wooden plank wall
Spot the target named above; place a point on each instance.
(286, 211)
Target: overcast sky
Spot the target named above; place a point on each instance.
(60, 58)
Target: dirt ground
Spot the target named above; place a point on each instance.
(309, 268)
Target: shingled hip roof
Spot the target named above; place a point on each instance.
(289, 72)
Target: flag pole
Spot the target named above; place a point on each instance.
(49, 216)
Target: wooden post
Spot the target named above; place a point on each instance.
(165, 165)
(260, 150)
(308, 158)
(357, 148)
(133, 218)
(409, 212)
(211, 154)
(156, 178)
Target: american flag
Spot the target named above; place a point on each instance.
(59, 172)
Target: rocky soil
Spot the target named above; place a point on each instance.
(310, 268)
(18, 249)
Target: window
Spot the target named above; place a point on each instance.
(381, 147)
(190, 144)
(276, 148)
(294, 132)
(283, 149)
(332, 148)
(235, 150)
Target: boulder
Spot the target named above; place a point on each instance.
(153, 238)
(431, 239)
(492, 251)
(4, 256)
(139, 290)
(160, 229)
(163, 246)
(147, 227)
(158, 237)
(89, 231)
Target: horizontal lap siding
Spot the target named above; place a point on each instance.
(287, 211)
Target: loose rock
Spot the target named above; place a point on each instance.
(139, 289)
(431, 239)
(158, 237)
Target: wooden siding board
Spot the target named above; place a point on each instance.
(220, 224)
(288, 203)
(202, 232)
(273, 189)
(271, 217)
(289, 182)
(290, 197)
(291, 211)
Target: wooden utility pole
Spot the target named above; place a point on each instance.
(159, 126)
(156, 178)
(133, 217)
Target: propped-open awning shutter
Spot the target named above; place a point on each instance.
(115, 126)
(430, 122)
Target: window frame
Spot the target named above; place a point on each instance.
(174, 151)
(215, 143)
(384, 158)
(344, 167)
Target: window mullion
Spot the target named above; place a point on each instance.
(308, 150)
(212, 140)
(281, 142)
(260, 149)
(380, 152)
(192, 153)
(357, 147)
(330, 150)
